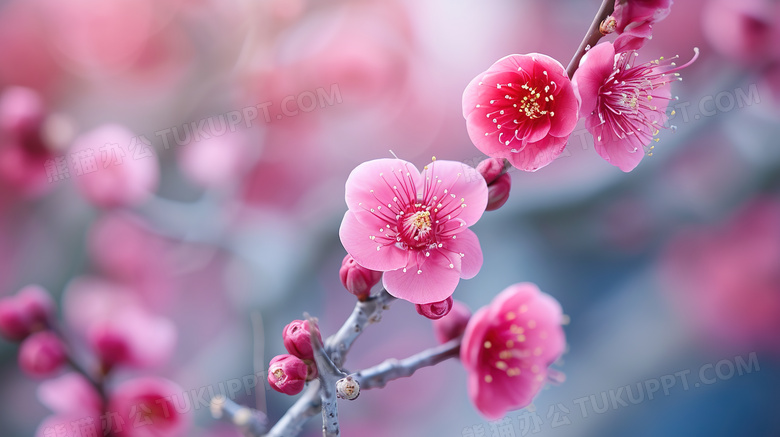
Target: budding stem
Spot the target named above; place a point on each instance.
(592, 36)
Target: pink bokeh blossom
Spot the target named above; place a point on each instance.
(148, 408)
(414, 226)
(508, 346)
(624, 104)
(635, 20)
(523, 108)
(74, 402)
(114, 167)
(24, 148)
(117, 327)
(724, 279)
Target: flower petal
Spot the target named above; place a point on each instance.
(467, 243)
(454, 185)
(595, 67)
(377, 182)
(379, 254)
(435, 281)
(537, 155)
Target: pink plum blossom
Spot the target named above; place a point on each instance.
(745, 31)
(523, 108)
(72, 399)
(624, 105)
(508, 346)
(635, 20)
(25, 150)
(114, 167)
(117, 327)
(414, 226)
(148, 409)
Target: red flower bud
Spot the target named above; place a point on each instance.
(26, 312)
(499, 183)
(435, 310)
(41, 354)
(297, 339)
(357, 279)
(287, 374)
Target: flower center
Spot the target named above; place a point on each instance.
(528, 104)
(416, 228)
(421, 220)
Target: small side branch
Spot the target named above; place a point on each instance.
(379, 375)
(592, 36)
(250, 422)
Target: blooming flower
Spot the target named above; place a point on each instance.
(508, 346)
(623, 105)
(523, 108)
(413, 226)
(635, 20)
(73, 400)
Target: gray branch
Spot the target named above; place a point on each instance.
(379, 375)
(330, 358)
(328, 374)
(250, 422)
(365, 313)
(307, 406)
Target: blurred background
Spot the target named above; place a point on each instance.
(188, 157)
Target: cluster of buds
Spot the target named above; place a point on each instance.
(26, 318)
(288, 373)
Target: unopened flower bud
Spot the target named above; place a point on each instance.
(297, 339)
(498, 181)
(37, 304)
(41, 354)
(287, 374)
(453, 324)
(347, 388)
(434, 310)
(357, 279)
(608, 25)
(25, 313)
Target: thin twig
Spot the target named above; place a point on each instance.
(592, 36)
(378, 376)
